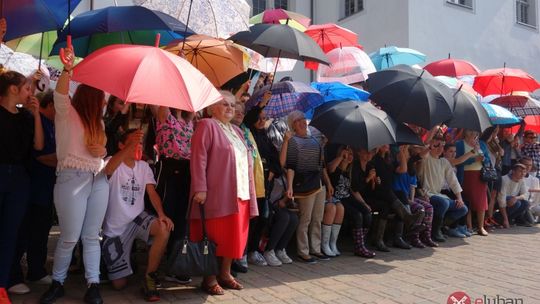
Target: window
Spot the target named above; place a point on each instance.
(281, 4)
(526, 12)
(258, 6)
(353, 7)
(463, 3)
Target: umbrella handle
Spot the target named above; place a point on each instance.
(62, 54)
(158, 37)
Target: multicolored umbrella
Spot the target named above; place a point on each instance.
(281, 16)
(258, 62)
(499, 115)
(347, 65)
(519, 105)
(149, 75)
(287, 96)
(387, 57)
(504, 81)
(452, 68)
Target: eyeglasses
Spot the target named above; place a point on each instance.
(437, 145)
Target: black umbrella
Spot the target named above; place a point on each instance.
(279, 40)
(468, 112)
(360, 125)
(411, 95)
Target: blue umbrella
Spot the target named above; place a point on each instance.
(120, 25)
(287, 96)
(337, 91)
(387, 57)
(499, 115)
(25, 17)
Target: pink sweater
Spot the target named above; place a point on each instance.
(213, 170)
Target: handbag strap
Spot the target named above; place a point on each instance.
(203, 220)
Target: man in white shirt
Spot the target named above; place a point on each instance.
(512, 198)
(434, 173)
(533, 184)
(126, 220)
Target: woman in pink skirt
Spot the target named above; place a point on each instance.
(222, 180)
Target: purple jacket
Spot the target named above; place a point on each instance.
(213, 170)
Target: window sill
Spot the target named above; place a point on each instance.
(471, 8)
(526, 25)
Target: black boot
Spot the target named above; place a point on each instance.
(405, 214)
(92, 295)
(436, 233)
(55, 291)
(379, 236)
(398, 237)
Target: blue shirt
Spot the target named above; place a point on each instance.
(43, 177)
(403, 182)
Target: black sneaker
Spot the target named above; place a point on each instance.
(92, 295)
(55, 291)
(149, 288)
(184, 280)
(309, 260)
(238, 268)
(321, 256)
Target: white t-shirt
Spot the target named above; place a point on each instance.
(126, 196)
(532, 182)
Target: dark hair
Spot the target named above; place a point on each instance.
(45, 98)
(487, 133)
(524, 158)
(439, 138)
(125, 135)
(448, 146)
(245, 94)
(9, 78)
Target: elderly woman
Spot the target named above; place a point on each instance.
(468, 174)
(222, 180)
(305, 172)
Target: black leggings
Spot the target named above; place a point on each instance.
(357, 213)
(282, 229)
(256, 228)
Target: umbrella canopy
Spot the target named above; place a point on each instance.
(330, 36)
(25, 17)
(33, 45)
(277, 40)
(452, 68)
(20, 62)
(455, 83)
(357, 124)
(411, 95)
(468, 112)
(257, 62)
(347, 65)
(277, 15)
(287, 96)
(519, 105)
(504, 81)
(387, 57)
(149, 75)
(332, 91)
(217, 59)
(499, 115)
(216, 18)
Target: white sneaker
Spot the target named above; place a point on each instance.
(46, 280)
(19, 289)
(271, 258)
(283, 257)
(256, 258)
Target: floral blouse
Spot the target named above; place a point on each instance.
(173, 138)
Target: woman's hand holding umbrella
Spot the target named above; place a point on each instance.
(199, 197)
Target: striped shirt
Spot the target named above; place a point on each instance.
(304, 154)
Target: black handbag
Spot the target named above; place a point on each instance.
(488, 173)
(193, 258)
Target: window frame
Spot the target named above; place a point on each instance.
(456, 3)
(530, 7)
(343, 10)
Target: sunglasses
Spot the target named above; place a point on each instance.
(437, 145)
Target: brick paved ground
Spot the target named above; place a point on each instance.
(504, 263)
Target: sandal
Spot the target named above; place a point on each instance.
(214, 290)
(230, 284)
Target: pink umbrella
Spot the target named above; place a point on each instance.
(149, 75)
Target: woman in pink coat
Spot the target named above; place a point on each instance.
(222, 180)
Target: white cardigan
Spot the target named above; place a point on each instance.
(71, 149)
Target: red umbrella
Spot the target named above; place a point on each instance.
(452, 68)
(504, 81)
(149, 75)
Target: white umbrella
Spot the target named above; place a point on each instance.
(268, 65)
(216, 18)
(347, 65)
(19, 62)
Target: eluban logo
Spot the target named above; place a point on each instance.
(460, 297)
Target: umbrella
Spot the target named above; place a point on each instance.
(287, 96)
(411, 95)
(332, 91)
(217, 59)
(387, 57)
(452, 68)
(95, 29)
(20, 62)
(468, 112)
(504, 81)
(280, 16)
(330, 36)
(347, 65)
(455, 83)
(25, 17)
(519, 105)
(216, 18)
(499, 115)
(358, 124)
(149, 75)
(278, 40)
(268, 65)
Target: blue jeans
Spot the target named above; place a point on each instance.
(444, 207)
(81, 201)
(14, 196)
(514, 212)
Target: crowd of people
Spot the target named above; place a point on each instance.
(261, 183)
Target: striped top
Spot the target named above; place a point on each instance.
(304, 154)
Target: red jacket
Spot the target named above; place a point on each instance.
(213, 170)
